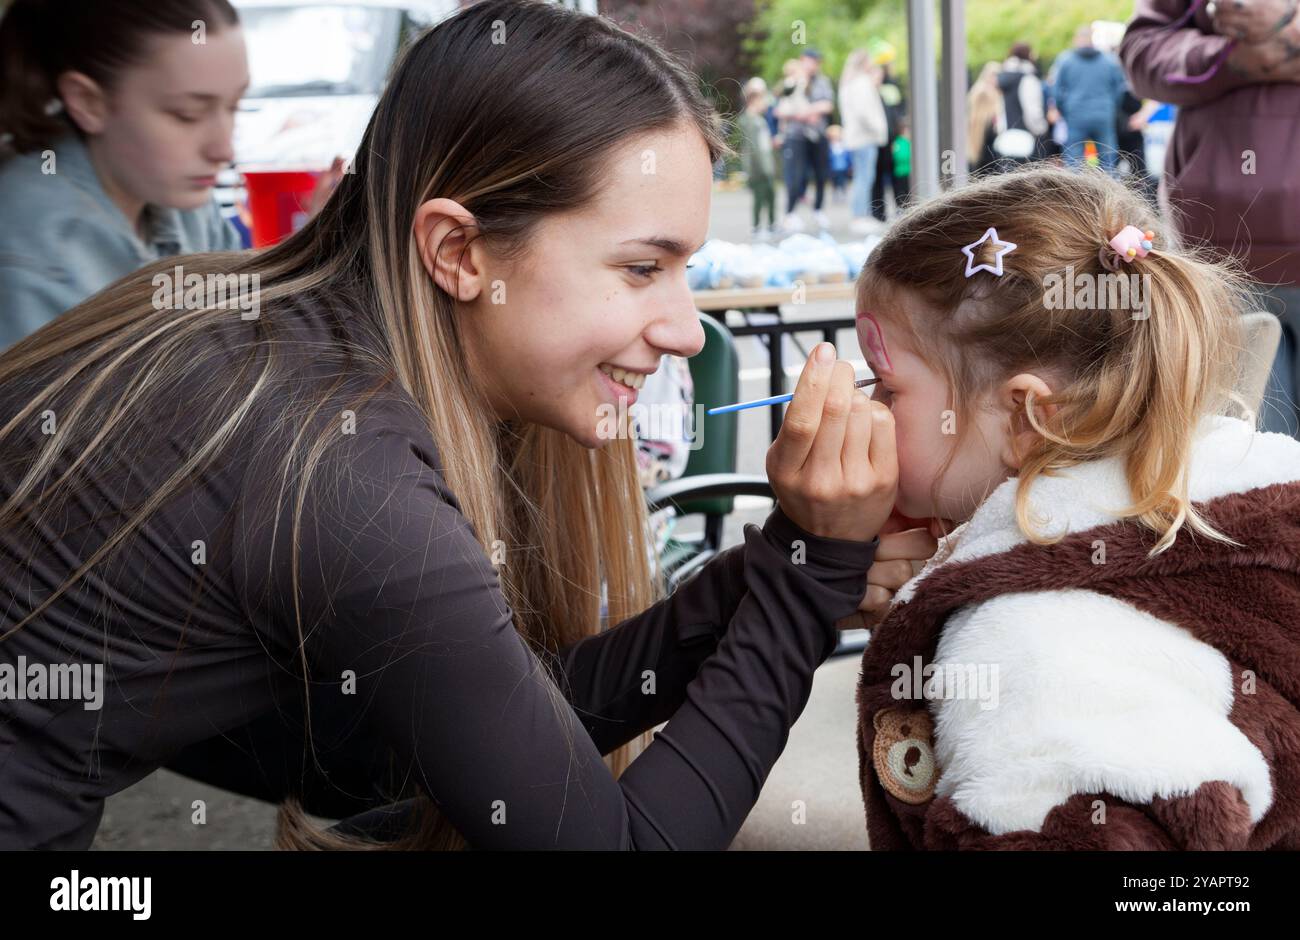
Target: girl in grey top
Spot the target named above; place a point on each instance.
(116, 119)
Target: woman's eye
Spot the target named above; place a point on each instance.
(643, 270)
(185, 118)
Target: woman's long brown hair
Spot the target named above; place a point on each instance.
(509, 108)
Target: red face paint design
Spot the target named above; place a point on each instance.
(875, 340)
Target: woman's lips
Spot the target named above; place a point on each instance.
(617, 390)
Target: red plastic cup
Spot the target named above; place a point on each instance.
(279, 202)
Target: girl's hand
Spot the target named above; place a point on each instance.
(834, 465)
(905, 544)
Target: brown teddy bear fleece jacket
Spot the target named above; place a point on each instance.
(1082, 695)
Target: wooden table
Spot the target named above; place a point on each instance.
(767, 298)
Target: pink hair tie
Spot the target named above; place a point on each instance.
(1131, 242)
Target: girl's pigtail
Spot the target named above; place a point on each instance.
(1184, 340)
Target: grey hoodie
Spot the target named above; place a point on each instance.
(64, 239)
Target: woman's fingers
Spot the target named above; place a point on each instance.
(824, 458)
(872, 610)
(875, 605)
(897, 522)
(804, 415)
(884, 446)
(892, 568)
(857, 441)
(940, 528)
(823, 487)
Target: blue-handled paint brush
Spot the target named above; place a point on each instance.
(774, 400)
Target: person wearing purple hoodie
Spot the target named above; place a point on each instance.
(1231, 176)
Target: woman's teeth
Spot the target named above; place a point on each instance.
(630, 379)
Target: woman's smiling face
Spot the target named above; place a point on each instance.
(599, 290)
(926, 427)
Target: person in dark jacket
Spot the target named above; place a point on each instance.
(1023, 108)
(891, 94)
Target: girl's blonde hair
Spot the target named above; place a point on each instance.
(514, 131)
(1132, 376)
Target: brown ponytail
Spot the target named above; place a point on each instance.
(42, 39)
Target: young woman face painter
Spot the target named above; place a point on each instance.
(341, 541)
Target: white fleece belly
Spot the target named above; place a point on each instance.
(1094, 696)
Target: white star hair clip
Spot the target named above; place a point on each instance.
(1001, 249)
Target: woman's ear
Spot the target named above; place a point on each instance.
(84, 101)
(445, 235)
(1013, 397)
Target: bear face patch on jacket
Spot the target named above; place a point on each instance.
(903, 752)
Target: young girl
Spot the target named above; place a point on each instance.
(1103, 655)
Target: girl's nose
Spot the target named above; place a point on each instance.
(219, 147)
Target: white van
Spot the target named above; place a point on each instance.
(317, 68)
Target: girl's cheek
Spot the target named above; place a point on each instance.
(913, 498)
(916, 471)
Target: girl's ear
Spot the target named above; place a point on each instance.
(445, 237)
(1013, 397)
(84, 101)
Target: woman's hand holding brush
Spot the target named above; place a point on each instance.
(834, 464)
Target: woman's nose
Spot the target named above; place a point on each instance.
(679, 333)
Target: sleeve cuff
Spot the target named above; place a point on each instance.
(837, 553)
